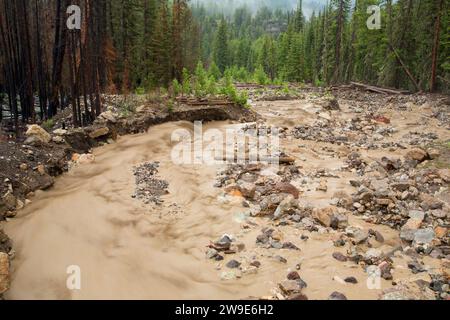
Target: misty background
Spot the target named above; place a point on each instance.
(228, 6)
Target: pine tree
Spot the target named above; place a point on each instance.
(341, 12)
(150, 9)
(267, 57)
(444, 52)
(161, 47)
(295, 70)
(404, 41)
(299, 17)
(221, 47)
(310, 50)
(214, 71)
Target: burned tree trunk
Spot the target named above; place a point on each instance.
(59, 50)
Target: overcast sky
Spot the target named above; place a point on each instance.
(308, 5)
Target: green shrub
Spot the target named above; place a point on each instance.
(170, 105)
(260, 76)
(201, 79)
(286, 89)
(242, 75)
(140, 91)
(186, 85)
(230, 91)
(211, 85)
(48, 125)
(176, 88)
(214, 71)
(318, 83)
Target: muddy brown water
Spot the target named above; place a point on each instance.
(129, 250)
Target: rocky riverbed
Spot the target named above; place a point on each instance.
(362, 162)
(358, 208)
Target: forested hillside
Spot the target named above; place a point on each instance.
(335, 44)
(140, 45)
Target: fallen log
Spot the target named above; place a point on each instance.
(380, 90)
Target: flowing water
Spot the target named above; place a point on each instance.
(129, 250)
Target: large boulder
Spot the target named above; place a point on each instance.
(330, 217)
(417, 154)
(99, 132)
(35, 132)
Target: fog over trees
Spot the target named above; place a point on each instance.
(228, 6)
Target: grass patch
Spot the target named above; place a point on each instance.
(48, 125)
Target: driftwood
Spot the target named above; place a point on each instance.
(380, 90)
